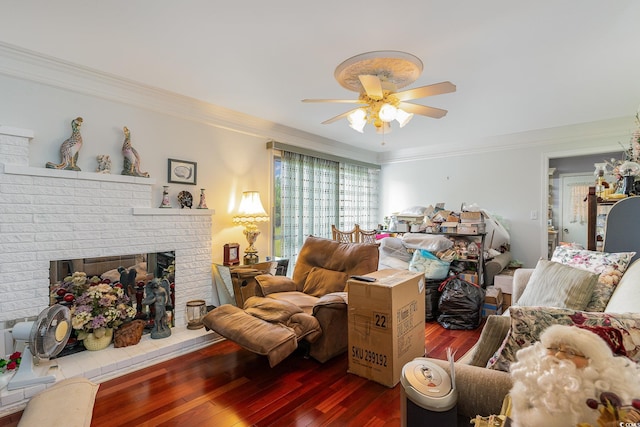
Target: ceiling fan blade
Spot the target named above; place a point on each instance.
(423, 110)
(372, 86)
(342, 101)
(424, 91)
(338, 117)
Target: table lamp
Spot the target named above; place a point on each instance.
(250, 212)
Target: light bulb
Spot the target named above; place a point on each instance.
(387, 113)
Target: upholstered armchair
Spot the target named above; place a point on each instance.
(309, 306)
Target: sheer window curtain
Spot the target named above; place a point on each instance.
(316, 193)
(578, 204)
(358, 197)
(309, 188)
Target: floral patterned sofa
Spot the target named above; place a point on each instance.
(612, 310)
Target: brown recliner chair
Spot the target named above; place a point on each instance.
(310, 306)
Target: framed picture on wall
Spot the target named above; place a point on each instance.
(182, 172)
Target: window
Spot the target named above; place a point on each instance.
(313, 192)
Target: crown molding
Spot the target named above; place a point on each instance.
(607, 135)
(33, 66)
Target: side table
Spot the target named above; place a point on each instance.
(243, 277)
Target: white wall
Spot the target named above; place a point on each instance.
(228, 162)
(509, 182)
(44, 95)
(508, 179)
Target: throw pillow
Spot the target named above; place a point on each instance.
(610, 267)
(556, 285)
(321, 281)
(620, 331)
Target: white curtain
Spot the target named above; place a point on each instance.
(309, 186)
(578, 203)
(358, 197)
(316, 193)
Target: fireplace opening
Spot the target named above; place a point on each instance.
(70, 279)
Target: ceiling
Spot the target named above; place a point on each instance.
(517, 66)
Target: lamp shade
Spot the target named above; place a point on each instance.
(250, 210)
(403, 117)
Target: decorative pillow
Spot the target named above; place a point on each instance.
(620, 331)
(556, 285)
(321, 281)
(610, 267)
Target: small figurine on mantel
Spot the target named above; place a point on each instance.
(157, 294)
(203, 200)
(104, 163)
(131, 157)
(70, 149)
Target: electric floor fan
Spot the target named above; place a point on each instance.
(45, 337)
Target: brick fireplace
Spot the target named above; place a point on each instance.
(48, 215)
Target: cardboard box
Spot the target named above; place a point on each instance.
(386, 324)
(492, 301)
(471, 228)
(504, 282)
(402, 228)
(488, 309)
(469, 277)
(471, 217)
(506, 302)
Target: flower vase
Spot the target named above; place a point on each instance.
(93, 343)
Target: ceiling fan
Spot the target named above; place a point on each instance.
(377, 76)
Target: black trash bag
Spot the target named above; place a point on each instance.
(431, 299)
(460, 304)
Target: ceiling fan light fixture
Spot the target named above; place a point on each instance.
(383, 129)
(387, 113)
(359, 127)
(357, 120)
(377, 76)
(402, 117)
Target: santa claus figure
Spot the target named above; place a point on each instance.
(554, 378)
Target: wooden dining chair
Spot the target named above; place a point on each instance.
(344, 236)
(365, 236)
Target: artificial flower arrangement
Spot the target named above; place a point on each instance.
(12, 363)
(100, 306)
(632, 154)
(95, 305)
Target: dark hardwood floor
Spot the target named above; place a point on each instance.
(225, 385)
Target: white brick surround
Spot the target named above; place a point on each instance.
(48, 214)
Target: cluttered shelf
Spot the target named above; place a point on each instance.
(440, 242)
(597, 210)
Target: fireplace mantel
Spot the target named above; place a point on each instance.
(50, 214)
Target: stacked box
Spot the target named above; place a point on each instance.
(471, 223)
(471, 277)
(386, 324)
(492, 301)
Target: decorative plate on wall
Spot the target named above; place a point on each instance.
(186, 199)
